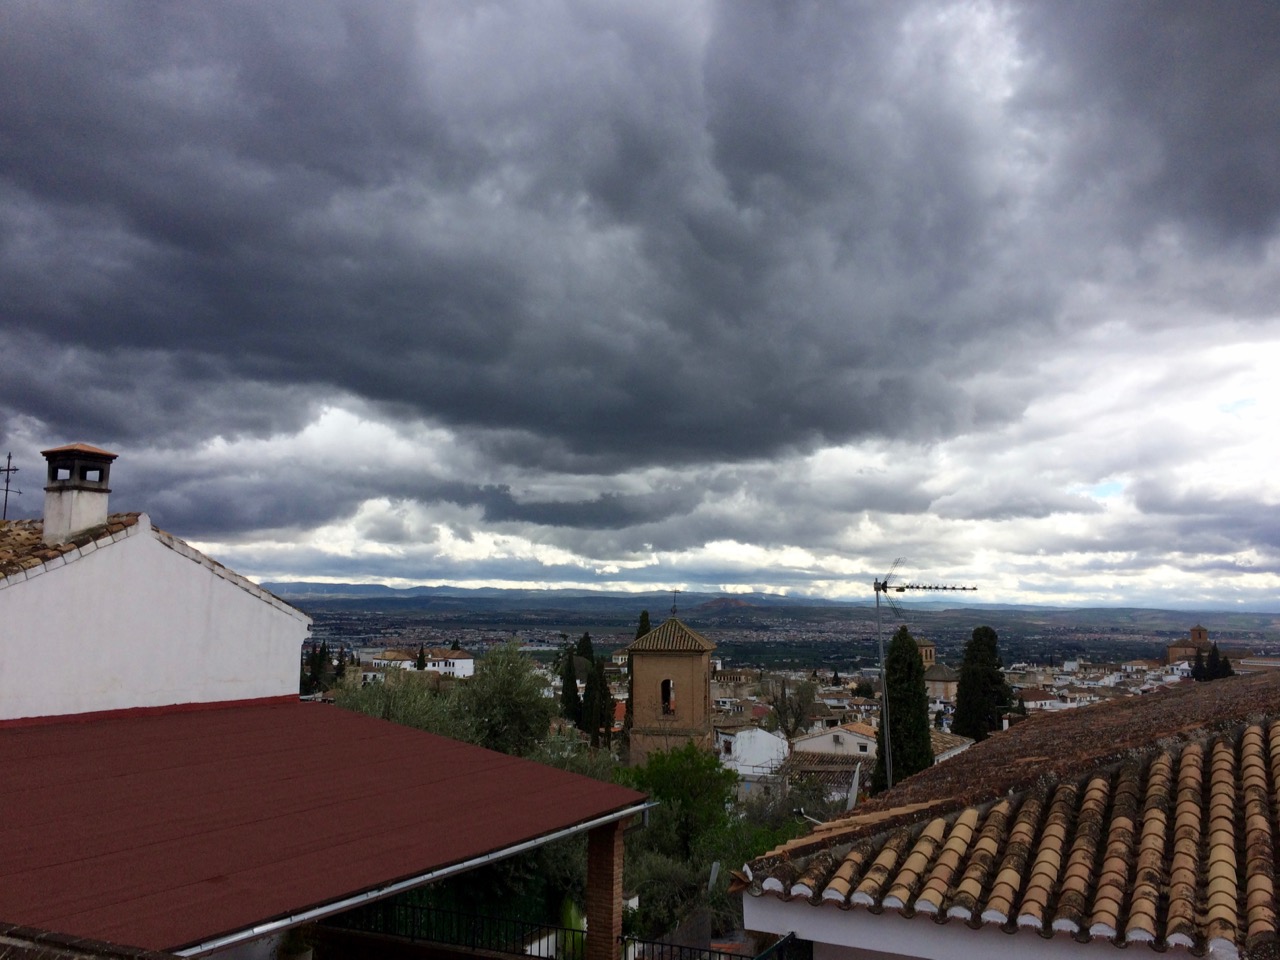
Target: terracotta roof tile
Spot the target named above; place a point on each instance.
(672, 636)
(1171, 843)
(22, 546)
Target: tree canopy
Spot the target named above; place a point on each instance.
(908, 704)
(793, 710)
(570, 700)
(982, 693)
(506, 703)
(694, 791)
(1214, 668)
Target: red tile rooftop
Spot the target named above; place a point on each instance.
(167, 830)
(1145, 820)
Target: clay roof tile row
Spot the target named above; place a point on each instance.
(1172, 844)
(22, 545)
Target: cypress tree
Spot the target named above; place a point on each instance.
(908, 702)
(570, 702)
(1198, 672)
(597, 705)
(585, 650)
(421, 662)
(982, 691)
(1213, 669)
(644, 627)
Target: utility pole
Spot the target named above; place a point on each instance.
(883, 586)
(8, 470)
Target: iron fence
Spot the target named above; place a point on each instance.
(471, 931)
(633, 948)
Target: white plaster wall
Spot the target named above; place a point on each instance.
(861, 935)
(755, 751)
(826, 743)
(141, 622)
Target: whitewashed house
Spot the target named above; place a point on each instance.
(125, 615)
(753, 754)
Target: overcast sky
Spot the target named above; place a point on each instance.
(724, 296)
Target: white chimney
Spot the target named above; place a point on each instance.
(75, 499)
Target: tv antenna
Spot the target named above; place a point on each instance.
(885, 587)
(8, 470)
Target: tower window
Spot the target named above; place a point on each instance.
(668, 697)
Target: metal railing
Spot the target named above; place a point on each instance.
(633, 948)
(470, 931)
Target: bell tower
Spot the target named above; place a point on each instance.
(75, 496)
(670, 689)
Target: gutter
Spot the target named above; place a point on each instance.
(399, 886)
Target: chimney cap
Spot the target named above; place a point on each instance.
(82, 448)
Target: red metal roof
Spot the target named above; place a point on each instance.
(163, 831)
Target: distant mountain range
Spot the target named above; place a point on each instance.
(709, 606)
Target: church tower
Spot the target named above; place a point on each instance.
(670, 689)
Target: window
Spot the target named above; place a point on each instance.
(62, 473)
(91, 474)
(862, 748)
(837, 739)
(668, 697)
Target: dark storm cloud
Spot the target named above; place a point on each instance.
(1180, 100)
(637, 263)
(692, 255)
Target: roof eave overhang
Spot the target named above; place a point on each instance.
(222, 942)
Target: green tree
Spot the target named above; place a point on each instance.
(585, 650)
(457, 645)
(570, 699)
(864, 689)
(693, 791)
(908, 704)
(421, 662)
(643, 627)
(505, 702)
(835, 677)
(793, 710)
(982, 693)
(597, 706)
(1198, 671)
(409, 698)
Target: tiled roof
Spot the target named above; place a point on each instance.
(829, 769)
(672, 636)
(1148, 820)
(22, 545)
(940, 671)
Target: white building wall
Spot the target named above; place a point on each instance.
(755, 752)
(861, 935)
(839, 741)
(143, 621)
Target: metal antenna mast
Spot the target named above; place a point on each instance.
(883, 586)
(674, 594)
(8, 470)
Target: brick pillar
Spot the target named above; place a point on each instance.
(604, 891)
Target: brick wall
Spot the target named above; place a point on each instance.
(604, 891)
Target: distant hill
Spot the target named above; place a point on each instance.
(735, 609)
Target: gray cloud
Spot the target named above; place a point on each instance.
(642, 264)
